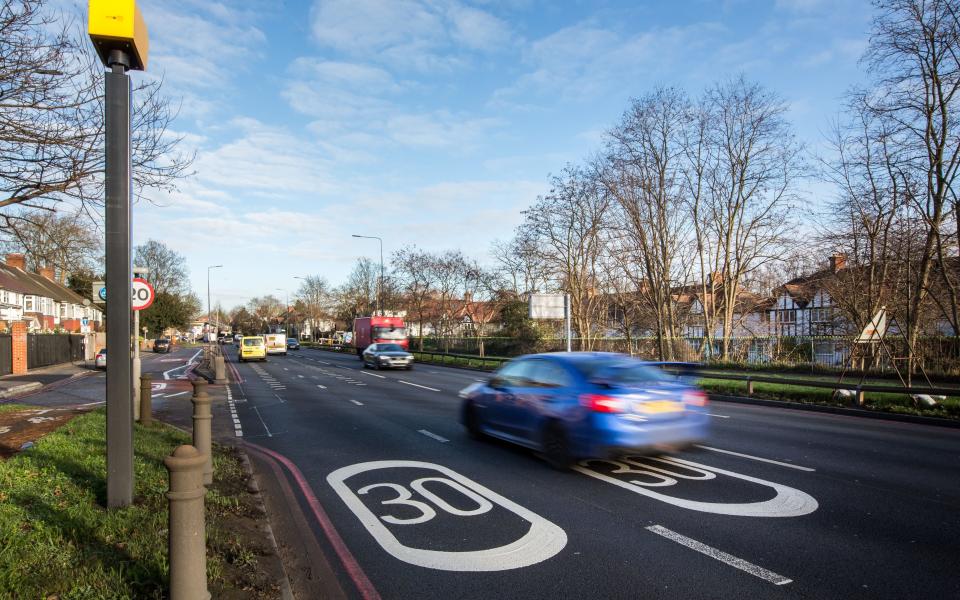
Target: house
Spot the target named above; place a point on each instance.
(803, 306)
(42, 302)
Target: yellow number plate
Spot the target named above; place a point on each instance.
(659, 406)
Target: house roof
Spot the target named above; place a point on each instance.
(32, 284)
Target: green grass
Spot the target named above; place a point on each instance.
(56, 539)
(898, 403)
(486, 364)
(13, 407)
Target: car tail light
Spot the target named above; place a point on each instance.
(696, 398)
(602, 404)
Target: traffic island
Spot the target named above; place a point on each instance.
(60, 541)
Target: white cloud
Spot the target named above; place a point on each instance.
(422, 35)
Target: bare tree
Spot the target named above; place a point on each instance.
(568, 224)
(642, 171)
(752, 165)
(914, 57)
(265, 309)
(413, 270)
(167, 270)
(51, 117)
(315, 297)
(65, 241)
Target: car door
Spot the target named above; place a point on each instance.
(499, 408)
(548, 386)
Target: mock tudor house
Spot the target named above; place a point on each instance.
(803, 306)
(40, 301)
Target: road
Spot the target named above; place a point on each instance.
(778, 504)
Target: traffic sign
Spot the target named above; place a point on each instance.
(142, 294)
(99, 292)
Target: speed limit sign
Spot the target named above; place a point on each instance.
(142, 294)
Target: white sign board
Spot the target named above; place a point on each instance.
(547, 306)
(875, 329)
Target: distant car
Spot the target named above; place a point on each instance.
(162, 345)
(100, 361)
(571, 406)
(236, 338)
(293, 344)
(252, 348)
(387, 356)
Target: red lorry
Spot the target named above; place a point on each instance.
(377, 330)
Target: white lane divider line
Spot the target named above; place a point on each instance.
(300, 376)
(373, 375)
(286, 369)
(179, 394)
(766, 460)
(720, 555)
(430, 434)
(323, 362)
(419, 386)
(256, 410)
(322, 387)
(356, 402)
(719, 416)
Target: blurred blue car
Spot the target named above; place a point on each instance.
(570, 406)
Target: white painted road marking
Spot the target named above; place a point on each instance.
(723, 557)
(166, 374)
(356, 402)
(373, 375)
(322, 387)
(719, 416)
(543, 540)
(177, 394)
(429, 434)
(766, 460)
(300, 376)
(256, 410)
(419, 386)
(787, 502)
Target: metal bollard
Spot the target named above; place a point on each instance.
(146, 399)
(187, 543)
(219, 370)
(201, 426)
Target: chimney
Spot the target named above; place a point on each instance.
(468, 297)
(46, 272)
(838, 261)
(17, 261)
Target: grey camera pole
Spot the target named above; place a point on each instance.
(119, 369)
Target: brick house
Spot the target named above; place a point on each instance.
(41, 302)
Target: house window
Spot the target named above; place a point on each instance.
(28, 303)
(787, 316)
(63, 311)
(6, 297)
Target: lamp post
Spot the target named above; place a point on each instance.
(208, 293)
(379, 287)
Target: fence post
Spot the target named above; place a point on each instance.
(749, 385)
(859, 397)
(146, 399)
(201, 427)
(187, 538)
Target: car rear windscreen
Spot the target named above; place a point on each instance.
(253, 342)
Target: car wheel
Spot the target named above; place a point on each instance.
(471, 420)
(377, 365)
(409, 367)
(556, 449)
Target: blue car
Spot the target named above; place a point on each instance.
(570, 406)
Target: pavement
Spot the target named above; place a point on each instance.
(12, 386)
(381, 494)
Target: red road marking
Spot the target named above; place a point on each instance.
(364, 586)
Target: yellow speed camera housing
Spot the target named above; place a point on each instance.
(118, 25)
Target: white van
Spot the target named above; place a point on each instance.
(276, 343)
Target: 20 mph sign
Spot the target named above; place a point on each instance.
(142, 293)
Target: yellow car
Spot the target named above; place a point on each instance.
(252, 348)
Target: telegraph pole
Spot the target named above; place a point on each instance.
(119, 35)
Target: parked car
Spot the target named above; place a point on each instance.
(252, 348)
(100, 361)
(293, 344)
(387, 356)
(570, 406)
(162, 345)
(236, 338)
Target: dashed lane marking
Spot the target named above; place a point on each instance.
(178, 394)
(357, 402)
(372, 374)
(751, 457)
(432, 435)
(720, 555)
(322, 387)
(719, 416)
(418, 385)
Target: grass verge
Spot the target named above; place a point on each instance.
(880, 401)
(57, 540)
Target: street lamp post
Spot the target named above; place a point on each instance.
(208, 293)
(379, 287)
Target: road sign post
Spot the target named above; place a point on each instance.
(119, 35)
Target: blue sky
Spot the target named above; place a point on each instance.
(436, 122)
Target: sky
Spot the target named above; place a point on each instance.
(436, 122)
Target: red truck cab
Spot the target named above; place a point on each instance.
(376, 330)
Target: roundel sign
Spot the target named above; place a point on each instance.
(142, 294)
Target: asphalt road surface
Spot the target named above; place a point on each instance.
(779, 504)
